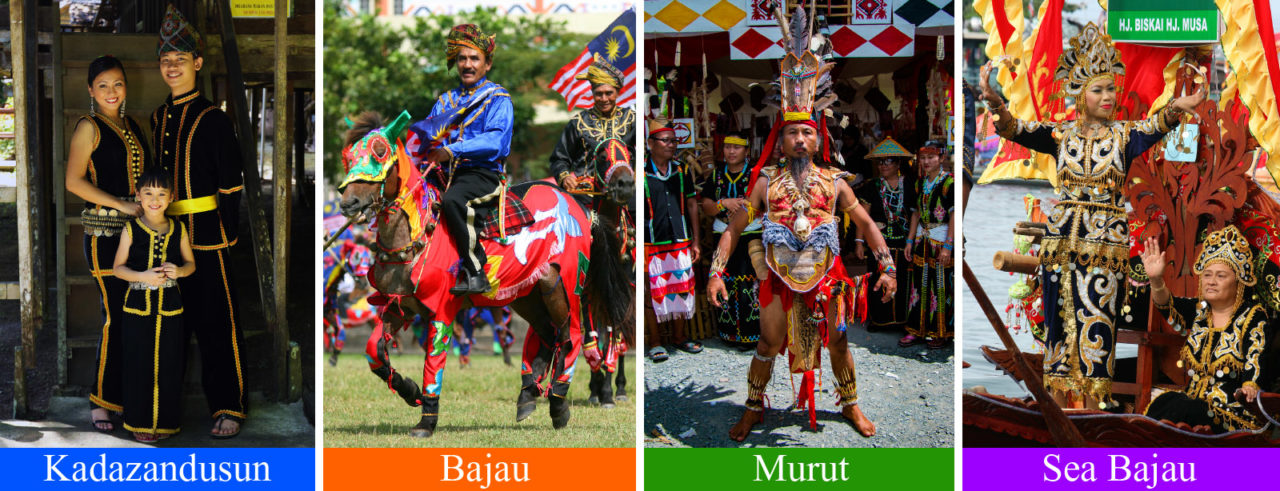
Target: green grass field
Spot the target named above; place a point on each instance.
(477, 408)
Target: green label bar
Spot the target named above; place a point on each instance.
(798, 468)
(1167, 26)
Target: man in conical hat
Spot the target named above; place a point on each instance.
(195, 140)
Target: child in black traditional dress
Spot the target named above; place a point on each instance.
(154, 252)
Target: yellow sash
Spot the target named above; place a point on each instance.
(192, 206)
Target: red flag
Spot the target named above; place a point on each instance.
(1144, 75)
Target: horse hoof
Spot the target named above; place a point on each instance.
(559, 413)
(523, 411)
(607, 405)
(420, 432)
(593, 400)
(620, 398)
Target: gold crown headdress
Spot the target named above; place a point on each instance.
(1230, 247)
(1091, 55)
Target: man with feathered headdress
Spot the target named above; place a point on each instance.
(476, 151)
(195, 140)
(807, 300)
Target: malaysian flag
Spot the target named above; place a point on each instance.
(617, 44)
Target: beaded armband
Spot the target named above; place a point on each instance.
(718, 262)
(886, 264)
(948, 246)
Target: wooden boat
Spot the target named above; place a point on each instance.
(997, 421)
(1175, 203)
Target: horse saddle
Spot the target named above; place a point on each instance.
(516, 216)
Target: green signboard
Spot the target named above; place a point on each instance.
(1163, 21)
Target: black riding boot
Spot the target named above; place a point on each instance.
(559, 405)
(405, 387)
(430, 414)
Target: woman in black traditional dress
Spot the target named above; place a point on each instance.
(724, 195)
(888, 198)
(929, 247)
(108, 153)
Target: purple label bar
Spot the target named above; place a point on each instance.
(1113, 468)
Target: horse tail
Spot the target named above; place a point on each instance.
(609, 290)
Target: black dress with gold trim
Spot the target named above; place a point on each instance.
(118, 158)
(1218, 360)
(1084, 254)
(154, 339)
(197, 143)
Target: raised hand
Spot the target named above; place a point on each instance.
(1153, 259)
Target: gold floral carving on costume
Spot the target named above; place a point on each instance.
(602, 128)
(1215, 356)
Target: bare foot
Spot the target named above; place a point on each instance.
(740, 431)
(101, 419)
(860, 422)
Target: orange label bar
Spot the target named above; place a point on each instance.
(526, 469)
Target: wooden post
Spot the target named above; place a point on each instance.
(23, 26)
(59, 209)
(19, 384)
(281, 178)
(252, 180)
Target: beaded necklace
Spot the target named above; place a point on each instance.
(648, 199)
(134, 150)
(732, 187)
(891, 200)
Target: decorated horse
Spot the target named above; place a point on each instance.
(610, 191)
(545, 260)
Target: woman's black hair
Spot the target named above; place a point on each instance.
(102, 64)
(154, 177)
(745, 135)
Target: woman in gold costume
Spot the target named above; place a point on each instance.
(1084, 253)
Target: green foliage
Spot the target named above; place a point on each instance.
(373, 64)
(7, 145)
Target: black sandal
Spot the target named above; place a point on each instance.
(690, 347)
(217, 424)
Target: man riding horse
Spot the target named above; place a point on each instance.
(574, 164)
(544, 256)
(477, 150)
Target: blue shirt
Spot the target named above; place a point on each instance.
(483, 139)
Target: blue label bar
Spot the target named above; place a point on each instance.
(159, 468)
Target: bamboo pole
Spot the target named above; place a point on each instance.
(1064, 432)
(281, 176)
(1012, 262)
